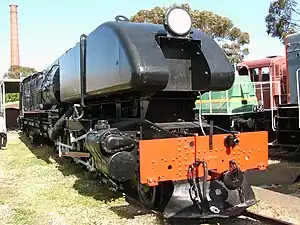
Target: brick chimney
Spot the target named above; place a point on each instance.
(14, 37)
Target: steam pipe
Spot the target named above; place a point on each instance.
(58, 126)
(83, 38)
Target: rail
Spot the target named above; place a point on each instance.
(261, 95)
(267, 219)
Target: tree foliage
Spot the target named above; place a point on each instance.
(221, 28)
(280, 20)
(15, 71)
(11, 97)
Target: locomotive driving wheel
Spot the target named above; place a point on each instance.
(147, 194)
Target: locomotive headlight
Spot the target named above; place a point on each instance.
(178, 21)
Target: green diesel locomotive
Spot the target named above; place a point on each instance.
(237, 109)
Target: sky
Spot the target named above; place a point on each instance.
(47, 28)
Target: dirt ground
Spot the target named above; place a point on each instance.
(37, 187)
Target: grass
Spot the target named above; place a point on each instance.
(37, 187)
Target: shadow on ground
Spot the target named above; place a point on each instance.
(86, 184)
(281, 176)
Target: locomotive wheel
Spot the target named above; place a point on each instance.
(147, 195)
(156, 197)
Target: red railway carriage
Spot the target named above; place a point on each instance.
(270, 77)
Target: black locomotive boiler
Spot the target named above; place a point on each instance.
(121, 103)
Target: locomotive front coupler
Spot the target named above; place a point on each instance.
(199, 199)
(234, 177)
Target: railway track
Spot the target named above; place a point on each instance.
(266, 219)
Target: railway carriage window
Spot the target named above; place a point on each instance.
(254, 75)
(265, 74)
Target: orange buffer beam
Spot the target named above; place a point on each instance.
(169, 159)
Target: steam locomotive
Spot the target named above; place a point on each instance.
(121, 103)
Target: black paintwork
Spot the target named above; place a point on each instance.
(229, 202)
(133, 57)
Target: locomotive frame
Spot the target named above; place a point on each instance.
(129, 117)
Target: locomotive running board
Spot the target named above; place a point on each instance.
(76, 154)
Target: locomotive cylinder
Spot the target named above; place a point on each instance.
(113, 151)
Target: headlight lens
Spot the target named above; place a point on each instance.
(178, 20)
